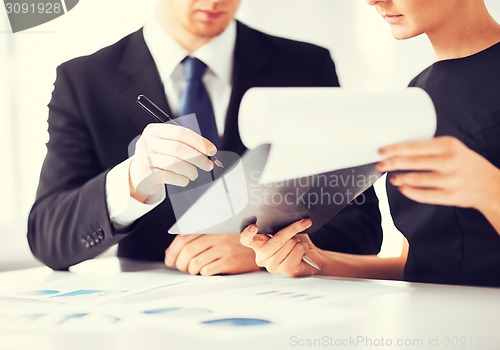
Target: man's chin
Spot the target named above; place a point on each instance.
(209, 30)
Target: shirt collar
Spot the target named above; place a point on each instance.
(217, 54)
(167, 53)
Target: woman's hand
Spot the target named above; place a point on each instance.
(442, 171)
(284, 251)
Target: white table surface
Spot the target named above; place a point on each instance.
(367, 314)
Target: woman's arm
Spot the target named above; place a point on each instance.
(283, 254)
(490, 206)
(365, 266)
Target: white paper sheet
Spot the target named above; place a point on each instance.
(315, 130)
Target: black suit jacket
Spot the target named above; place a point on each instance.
(93, 117)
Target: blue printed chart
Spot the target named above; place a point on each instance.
(96, 288)
(86, 302)
(38, 317)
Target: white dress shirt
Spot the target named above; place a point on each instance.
(167, 54)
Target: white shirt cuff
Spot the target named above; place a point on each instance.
(123, 209)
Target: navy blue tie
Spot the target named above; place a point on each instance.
(195, 99)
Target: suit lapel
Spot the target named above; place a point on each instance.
(140, 76)
(250, 60)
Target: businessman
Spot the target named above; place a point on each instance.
(193, 56)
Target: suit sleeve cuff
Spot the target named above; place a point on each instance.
(123, 209)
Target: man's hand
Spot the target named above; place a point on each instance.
(167, 154)
(209, 255)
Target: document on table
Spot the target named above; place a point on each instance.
(226, 307)
(96, 288)
(259, 310)
(312, 151)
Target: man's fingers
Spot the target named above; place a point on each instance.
(152, 184)
(191, 250)
(180, 151)
(175, 247)
(206, 257)
(175, 151)
(183, 135)
(214, 268)
(174, 165)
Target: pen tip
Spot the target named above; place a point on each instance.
(218, 163)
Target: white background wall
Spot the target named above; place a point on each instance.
(359, 41)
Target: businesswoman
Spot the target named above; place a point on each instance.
(447, 199)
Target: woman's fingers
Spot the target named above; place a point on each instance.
(428, 196)
(275, 254)
(294, 266)
(304, 237)
(426, 163)
(281, 237)
(250, 239)
(436, 146)
(420, 180)
(271, 263)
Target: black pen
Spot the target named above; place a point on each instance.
(153, 110)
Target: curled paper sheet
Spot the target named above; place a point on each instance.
(315, 130)
(312, 151)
